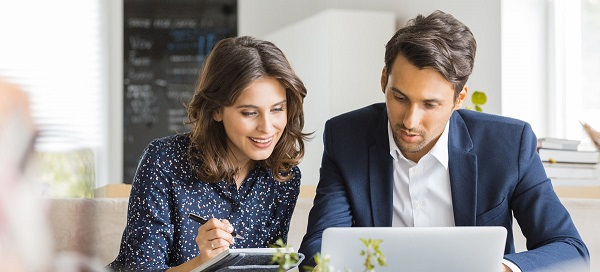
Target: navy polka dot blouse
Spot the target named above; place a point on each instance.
(159, 233)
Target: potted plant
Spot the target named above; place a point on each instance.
(478, 98)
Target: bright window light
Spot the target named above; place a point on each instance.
(55, 51)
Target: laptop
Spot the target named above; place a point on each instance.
(450, 249)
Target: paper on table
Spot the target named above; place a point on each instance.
(232, 256)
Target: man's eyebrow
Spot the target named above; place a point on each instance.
(396, 90)
(431, 100)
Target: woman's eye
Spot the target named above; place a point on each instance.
(278, 109)
(248, 113)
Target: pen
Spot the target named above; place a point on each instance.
(203, 221)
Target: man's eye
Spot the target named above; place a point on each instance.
(430, 106)
(399, 97)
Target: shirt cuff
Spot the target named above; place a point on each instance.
(511, 265)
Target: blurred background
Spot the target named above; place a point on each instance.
(105, 76)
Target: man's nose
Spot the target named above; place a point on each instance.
(412, 117)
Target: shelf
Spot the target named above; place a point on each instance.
(577, 188)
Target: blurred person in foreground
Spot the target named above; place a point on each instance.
(418, 160)
(26, 236)
(25, 239)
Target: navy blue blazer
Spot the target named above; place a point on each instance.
(495, 173)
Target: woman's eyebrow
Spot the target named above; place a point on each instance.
(256, 107)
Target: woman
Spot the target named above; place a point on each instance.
(238, 164)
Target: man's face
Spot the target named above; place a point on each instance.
(419, 104)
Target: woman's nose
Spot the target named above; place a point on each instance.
(265, 123)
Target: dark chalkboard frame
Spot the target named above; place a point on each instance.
(165, 44)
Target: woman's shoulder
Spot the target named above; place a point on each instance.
(172, 140)
(163, 163)
(294, 181)
(296, 174)
(267, 176)
(170, 145)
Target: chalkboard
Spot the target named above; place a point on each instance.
(165, 44)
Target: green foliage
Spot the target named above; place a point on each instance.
(372, 252)
(284, 256)
(322, 264)
(68, 174)
(478, 98)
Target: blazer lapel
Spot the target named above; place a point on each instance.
(462, 166)
(380, 176)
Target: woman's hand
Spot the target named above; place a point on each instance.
(213, 238)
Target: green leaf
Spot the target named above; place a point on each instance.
(478, 98)
(283, 257)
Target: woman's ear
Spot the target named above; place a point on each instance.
(218, 115)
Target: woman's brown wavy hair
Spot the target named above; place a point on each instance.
(230, 67)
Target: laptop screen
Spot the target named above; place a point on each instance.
(463, 249)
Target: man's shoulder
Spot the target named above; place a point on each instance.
(492, 121)
(359, 127)
(363, 116)
(488, 129)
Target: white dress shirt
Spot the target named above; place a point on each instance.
(422, 195)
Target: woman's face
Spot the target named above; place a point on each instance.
(255, 121)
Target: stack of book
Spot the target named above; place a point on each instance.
(563, 159)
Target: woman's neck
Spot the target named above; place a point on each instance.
(243, 171)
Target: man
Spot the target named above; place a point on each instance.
(419, 161)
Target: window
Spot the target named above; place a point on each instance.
(574, 66)
(54, 50)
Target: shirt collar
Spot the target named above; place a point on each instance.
(439, 150)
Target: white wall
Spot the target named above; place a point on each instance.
(524, 62)
(256, 17)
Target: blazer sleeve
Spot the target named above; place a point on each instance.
(553, 241)
(331, 207)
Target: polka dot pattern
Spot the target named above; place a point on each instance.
(159, 233)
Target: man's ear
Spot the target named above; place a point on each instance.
(462, 97)
(218, 115)
(383, 79)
